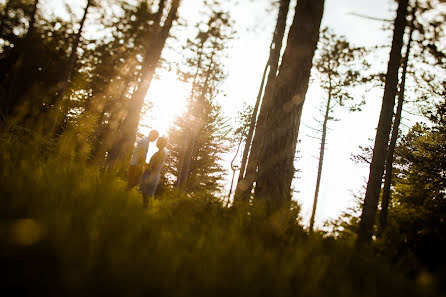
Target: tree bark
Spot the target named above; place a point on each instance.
(57, 101)
(17, 70)
(276, 162)
(247, 175)
(185, 154)
(368, 216)
(155, 42)
(253, 123)
(321, 161)
(188, 160)
(72, 58)
(234, 168)
(395, 130)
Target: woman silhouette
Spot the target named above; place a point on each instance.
(151, 174)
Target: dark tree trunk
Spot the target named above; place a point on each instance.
(57, 101)
(395, 130)
(247, 175)
(276, 162)
(368, 216)
(155, 42)
(253, 123)
(17, 72)
(321, 161)
(72, 58)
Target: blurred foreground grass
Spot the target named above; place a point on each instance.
(67, 230)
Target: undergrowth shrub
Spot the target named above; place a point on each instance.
(68, 230)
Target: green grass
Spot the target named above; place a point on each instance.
(67, 230)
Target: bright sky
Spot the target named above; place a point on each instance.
(254, 22)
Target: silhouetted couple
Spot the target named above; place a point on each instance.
(147, 175)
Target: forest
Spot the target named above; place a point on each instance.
(157, 148)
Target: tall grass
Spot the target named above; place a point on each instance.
(67, 230)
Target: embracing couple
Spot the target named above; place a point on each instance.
(146, 175)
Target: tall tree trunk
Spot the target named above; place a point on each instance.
(155, 42)
(395, 130)
(276, 162)
(187, 161)
(253, 123)
(72, 58)
(194, 128)
(57, 100)
(234, 168)
(17, 71)
(185, 154)
(321, 161)
(247, 175)
(368, 216)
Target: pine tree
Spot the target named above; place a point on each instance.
(422, 50)
(395, 130)
(205, 73)
(248, 167)
(276, 162)
(206, 172)
(115, 68)
(338, 66)
(31, 63)
(16, 71)
(154, 42)
(240, 134)
(368, 216)
(59, 109)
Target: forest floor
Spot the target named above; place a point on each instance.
(67, 230)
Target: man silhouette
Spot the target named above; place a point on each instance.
(139, 159)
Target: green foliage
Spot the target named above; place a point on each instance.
(39, 76)
(206, 169)
(242, 122)
(418, 212)
(415, 238)
(339, 67)
(198, 138)
(66, 230)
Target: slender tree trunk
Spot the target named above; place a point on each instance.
(253, 123)
(188, 160)
(194, 128)
(186, 137)
(182, 160)
(57, 101)
(247, 175)
(368, 216)
(106, 136)
(321, 161)
(155, 42)
(276, 162)
(234, 169)
(18, 68)
(395, 129)
(72, 58)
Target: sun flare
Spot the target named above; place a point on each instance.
(167, 99)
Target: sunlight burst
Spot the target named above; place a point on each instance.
(167, 100)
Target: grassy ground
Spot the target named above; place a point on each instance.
(67, 230)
